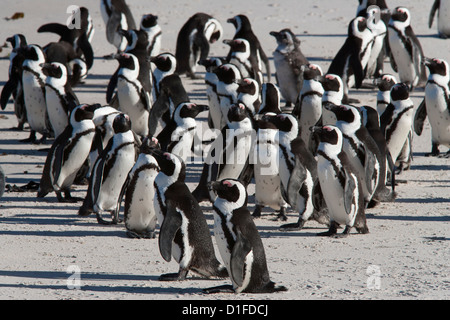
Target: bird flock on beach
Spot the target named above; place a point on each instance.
(321, 154)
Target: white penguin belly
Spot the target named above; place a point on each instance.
(398, 138)
(141, 212)
(183, 255)
(34, 102)
(405, 65)
(59, 118)
(310, 114)
(438, 115)
(236, 157)
(112, 185)
(130, 103)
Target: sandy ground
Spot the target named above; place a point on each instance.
(42, 242)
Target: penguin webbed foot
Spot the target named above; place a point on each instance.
(282, 215)
(141, 235)
(67, 197)
(180, 276)
(297, 226)
(446, 155)
(257, 213)
(332, 231)
(115, 219)
(227, 288)
(30, 139)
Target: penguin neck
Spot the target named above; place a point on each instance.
(348, 128)
(226, 207)
(245, 125)
(384, 96)
(334, 97)
(35, 66)
(312, 86)
(442, 81)
(57, 83)
(330, 150)
(129, 73)
(241, 56)
(163, 181)
(83, 126)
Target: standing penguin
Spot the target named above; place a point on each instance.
(249, 95)
(149, 23)
(184, 233)
(165, 64)
(33, 80)
(436, 106)
(340, 183)
(133, 95)
(117, 16)
(239, 242)
(308, 108)
(361, 149)
(110, 172)
(351, 60)
(14, 84)
(384, 84)
(228, 75)
(378, 28)
(240, 56)
(139, 211)
(288, 59)
(59, 96)
(67, 155)
(443, 8)
(244, 30)
(177, 136)
(193, 42)
(333, 94)
(396, 121)
(406, 51)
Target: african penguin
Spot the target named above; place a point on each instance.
(59, 96)
(333, 94)
(443, 9)
(379, 30)
(270, 99)
(351, 60)
(239, 242)
(193, 42)
(164, 64)
(184, 233)
(177, 136)
(340, 184)
(241, 57)
(67, 155)
(139, 210)
(384, 84)
(149, 23)
(110, 172)
(396, 121)
(406, 51)
(288, 59)
(244, 30)
(436, 105)
(249, 95)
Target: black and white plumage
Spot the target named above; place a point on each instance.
(164, 65)
(59, 96)
(184, 232)
(139, 209)
(288, 59)
(249, 95)
(407, 55)
(436, 105)
(384, 84)
(270, 99)
(177, 136)
(442, 7)
(379, 30)
(351, 60)
(396, 122)
(240, 56)
(149, 24)
(333, 94)
(110, 172)
(340, 184)
(68, 153)
(193, 42)
(117, 16)
(239, 242)
(244, 31)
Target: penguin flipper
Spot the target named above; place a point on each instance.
(370, 170)
(241, 249)
(113, 25)
(434, 8)
(169, 228)
(58, 28)
(157, 111)
(145, 99)
(7, 91)
(296, 181)
(112, 84)
(349, 189)
(419, 118)
(2, 182)
(317, 197)
(358, 70)
(86, 48)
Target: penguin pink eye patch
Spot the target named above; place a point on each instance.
(330, 77)
(227, 183)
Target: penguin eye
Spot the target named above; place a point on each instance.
(167, 155)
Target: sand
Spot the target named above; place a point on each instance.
(45, 247)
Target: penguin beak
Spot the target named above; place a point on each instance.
(201, 107)
(315, 129)
(213, 185)
(331, 107)
(427, 61)
(231, 20)
(228, 42)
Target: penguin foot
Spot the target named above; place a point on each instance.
(30, 139)
(227, 288)
(180, 276)
(446, 155)
(332, 231)
(84, 211)
(433, 153)
(102, 221)
(373, 203)
(257, 213)
(293, 226)
(141, 235)
(282, 215)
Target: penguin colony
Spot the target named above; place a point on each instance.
(321, 154)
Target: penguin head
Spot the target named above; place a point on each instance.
(238, 45)
(385, 82)
(82, 112)
(148, 21)
(332, 82)
(270, 98)
(399, 91)
(33, 53)
(287, 124)
(329, 137)
(312, 72)
(212, 63)
(79, 68)
(344, 113)
(264, 122)
(248, 86)
(237, 113)
(401, 16)
(148, 144)
(437, 67)
(357, 27)
(127, 61)
(228, 73)
(170, 165)
(55, 70)
(240, 22)
(213, 30)
(18, 40)
(286, 38)
(121, 123)
(166, 62)
(231, 191)
(189, 110)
